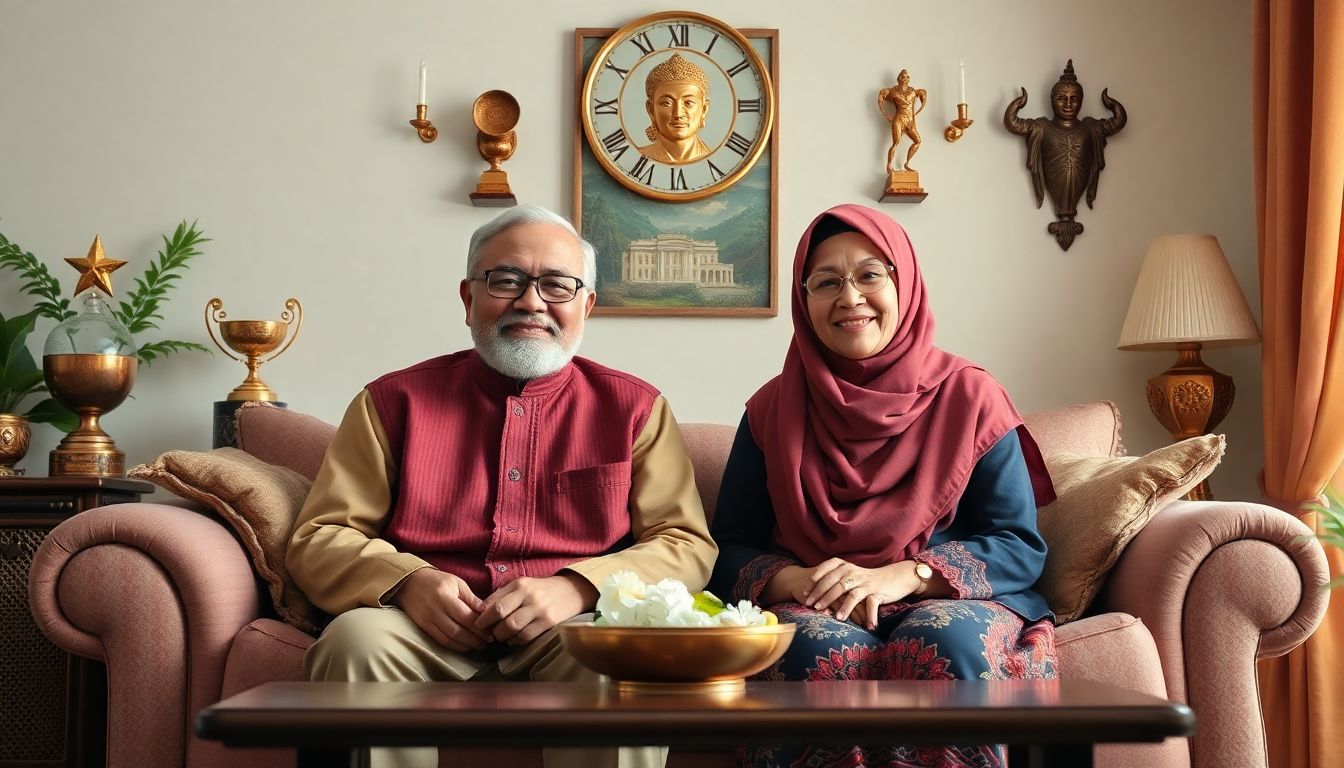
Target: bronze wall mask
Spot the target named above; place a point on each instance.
(1065, 154)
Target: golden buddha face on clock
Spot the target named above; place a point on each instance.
(677, 106)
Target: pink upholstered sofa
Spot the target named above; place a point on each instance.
(167, 598)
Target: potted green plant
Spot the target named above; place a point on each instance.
(20, 381)
(1330, 518)
(21, 377)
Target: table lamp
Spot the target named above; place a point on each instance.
(1186, 298)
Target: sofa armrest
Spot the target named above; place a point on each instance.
(158, 593)
(1220, 585)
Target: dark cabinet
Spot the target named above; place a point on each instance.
(53, 706)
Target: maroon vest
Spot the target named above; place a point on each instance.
(494, 482)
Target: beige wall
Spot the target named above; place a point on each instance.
(282, 128)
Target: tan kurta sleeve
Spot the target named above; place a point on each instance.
(666, 517)
(335, 555)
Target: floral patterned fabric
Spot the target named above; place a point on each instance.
(920, 640)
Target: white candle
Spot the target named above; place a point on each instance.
(963, 83)
(422, 83)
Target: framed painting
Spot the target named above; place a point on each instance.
(658, 252)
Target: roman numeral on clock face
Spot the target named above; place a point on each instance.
(643, 43)
(714, 172)
(615, 142)
(643, 171)
(678, 179)
(681, 35)
(616, 69)
(739, 143)
(741, 65)
(609, 107)
(749, 105)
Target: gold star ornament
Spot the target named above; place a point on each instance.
(95, 270)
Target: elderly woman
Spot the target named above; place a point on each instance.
(881, 494)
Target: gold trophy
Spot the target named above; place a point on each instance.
(253, 339)
(495, 113)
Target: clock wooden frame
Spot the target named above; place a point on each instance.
(763, 176)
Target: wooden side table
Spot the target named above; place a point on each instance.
(53, 706)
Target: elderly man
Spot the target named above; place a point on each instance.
(472, 502)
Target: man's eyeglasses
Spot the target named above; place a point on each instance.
(866, 278)
(510, 283)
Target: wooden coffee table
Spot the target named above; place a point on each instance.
(1045, 722)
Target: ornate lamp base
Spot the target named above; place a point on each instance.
(1190, 399)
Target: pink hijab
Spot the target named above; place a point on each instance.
(866, 459)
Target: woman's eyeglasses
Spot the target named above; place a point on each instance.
(866, 278)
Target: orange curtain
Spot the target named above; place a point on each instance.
(1299, 179)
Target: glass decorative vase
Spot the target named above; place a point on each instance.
(89, 364)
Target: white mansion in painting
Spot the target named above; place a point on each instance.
(675, 259)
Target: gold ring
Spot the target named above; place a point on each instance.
(848, 584)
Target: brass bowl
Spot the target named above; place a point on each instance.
(89, 383)
(253, 337)
(495, 112)
(643, 658)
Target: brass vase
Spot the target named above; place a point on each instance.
(14, 436)
(89, 385)
(495, 114)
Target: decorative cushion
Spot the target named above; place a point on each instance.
(1102, 504)
(1087, 429)
(284, 437)
(259, 500)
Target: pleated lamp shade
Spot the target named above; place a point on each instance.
(1186, 293)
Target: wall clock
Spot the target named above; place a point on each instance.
(677, 106)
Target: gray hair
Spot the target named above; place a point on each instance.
(530, 214)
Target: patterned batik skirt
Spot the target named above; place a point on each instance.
(926, 640)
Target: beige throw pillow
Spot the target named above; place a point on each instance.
(1103, 503)
(259, 500)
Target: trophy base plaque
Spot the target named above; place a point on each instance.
(96, 463)
(226, 420)
(87, 452)
(903, 187)
(493, 191)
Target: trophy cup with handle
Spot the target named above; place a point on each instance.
(253, 340)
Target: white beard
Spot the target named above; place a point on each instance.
(522, 358)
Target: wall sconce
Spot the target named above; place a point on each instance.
(957, 127)
(421, 122)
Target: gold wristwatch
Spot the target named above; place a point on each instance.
(924, 572)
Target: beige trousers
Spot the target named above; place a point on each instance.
(383, 644)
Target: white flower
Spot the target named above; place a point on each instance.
(744, 614)
(626, 601)
(666, 604)
(619, 599)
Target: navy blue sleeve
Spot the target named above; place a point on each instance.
(744, 524)
(992, 546)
